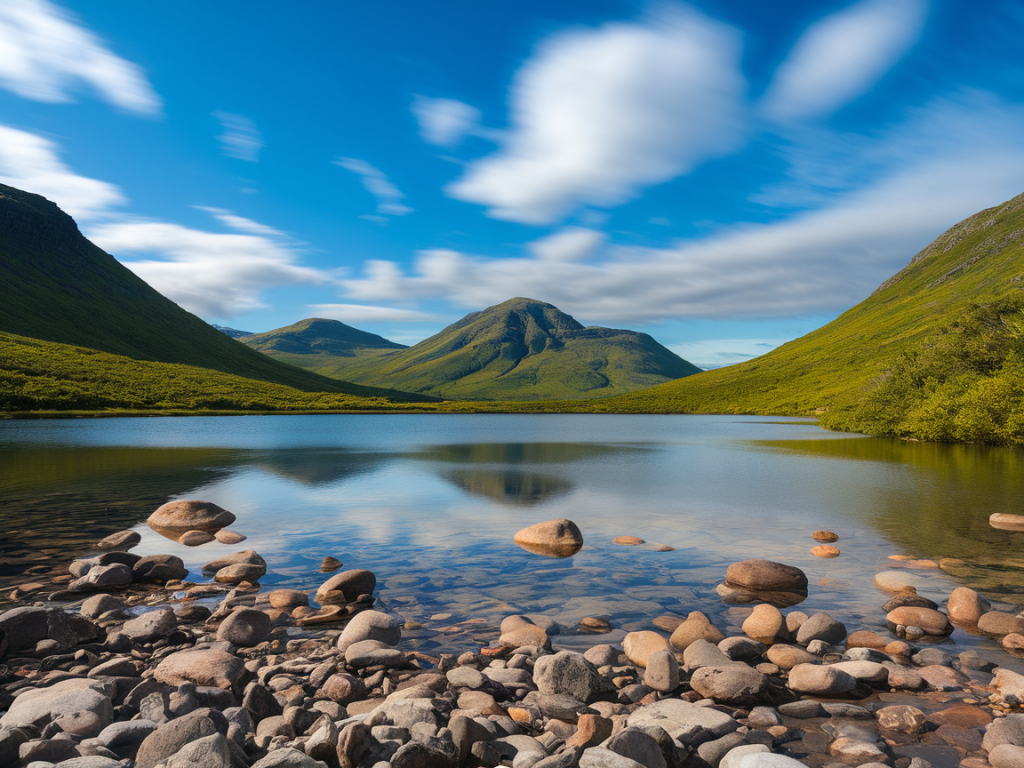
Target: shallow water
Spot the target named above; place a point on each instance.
(430, 504)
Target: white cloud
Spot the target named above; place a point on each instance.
(360, 313)
(209, 274)
(714, 353)
(45, 53)
(240, 223)
(842, 56)
(820, 261)
(569, 244)
(444, 122)
(599, 114)
(31, 163)
(241, 138)
(377, 184)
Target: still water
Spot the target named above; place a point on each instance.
(430, 504)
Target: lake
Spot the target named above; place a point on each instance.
(430, 504)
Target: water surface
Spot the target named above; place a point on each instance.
(430, 504)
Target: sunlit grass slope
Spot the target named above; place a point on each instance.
(57, 286)
(832, 370)
(518, 350)
(40, 375)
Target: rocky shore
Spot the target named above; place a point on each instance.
(124, 675)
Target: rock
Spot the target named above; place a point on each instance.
(245, 557)
(236, 574)
(1007, 756)
(825, 551)
(932, 622)
(764, 624)
(120, 540)
(732, 684)
(287, 757)
(601, 655)
(998, 623)
(418, 754)
(638, 646)
(207, 752)
(225, 536)
(766, 575)
(788, 656)
(802, 710)
(97, 605)
(638, 746)
(1005, 730)
(942, 678)
(151, 626)
(345, 587)
(553, 538)
(662, 672)
(901, 717)
(124, 738)
(966, 606)
(865, 639)
(329, 564)
(103, 577)
(159, 568)
(696, 627)
(822, 627)
(343, 688)
(870, 672)
(595, 625)
(370, 625)
(591, 730)
(929, 656)
(286, 599)
(245, 627)
(820, 681)
(683, 720)
(465, 677)
(763, 718)
(67, 697)
(184, 516)
(826, 536)
(701, 653)
(170, 737)
(742, 648)
(202, 667)
(1009, 683)
(195, 538)
(23, 627)
(1012, 642)
(627, 541)
(1006, 522)
(598, 757)
(909, 599)
(734, 755)
(519, 631)
(894, 580)
(569, 673)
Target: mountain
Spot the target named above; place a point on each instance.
(59, 287)
(949, 326)
(316, 336)
(234, 333)
(519, 350)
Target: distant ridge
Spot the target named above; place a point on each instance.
(57, 286)
(234, 333)
(316, 336)
(522, 349)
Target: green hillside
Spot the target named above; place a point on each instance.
(45, 376)
(57, 286)
(518, 350)
(952, 314)
(326, 339)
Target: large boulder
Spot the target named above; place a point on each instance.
(23, 626)
(552, 538)
(346, 586)
(166, 740)
(202, 666)
(569, 673)
(932, 622)
(966, 606)
(182, 516)
(160, 568)
(729, 684)
(68, 697)
(246, 627)
(766, 575)
(151, 626)
(371, 625)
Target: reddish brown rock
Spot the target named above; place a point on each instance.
(184, 516)
(764, 624)
(962, 716)
(346, 586)
(932, 622)
(195, 538)
(696, 627)
(627, 541)
(591, 730)
(202, 667)
(866, 639)
(766, 575)
(667, 623)
(825, 536)
(639, 646)
(225, 536)
(287, 598)
(824, 551)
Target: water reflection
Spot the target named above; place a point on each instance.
(315, 467)
(519, 453)
(509, 486)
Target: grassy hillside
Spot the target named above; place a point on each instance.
(45, 376)
(832, 370)
(57, 286)
(519, 350)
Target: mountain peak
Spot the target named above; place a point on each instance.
(319, 336)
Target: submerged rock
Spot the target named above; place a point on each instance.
(552, 538)
(766, 575)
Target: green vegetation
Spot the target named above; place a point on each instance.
(832, 370)
(316, 336)
(45, 376)
(519, 350)
(57, 286)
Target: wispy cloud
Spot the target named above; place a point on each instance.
(715, 353)
(241, 138)
(377, 184)
(361, 313)
(445, 122)
(842, 56)
(599, 114)
(46, 54)
(569, 244)
(30, 162)
(240, 223)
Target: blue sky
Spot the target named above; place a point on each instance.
(725, 176)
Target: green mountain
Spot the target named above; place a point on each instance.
(519, 350)
(316, 336)
(59, 287)
(934, 353)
